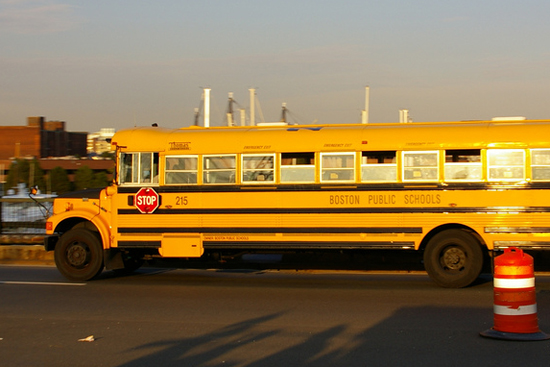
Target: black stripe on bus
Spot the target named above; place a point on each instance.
(347, 210)
(246, 230)
(517, 229)
(260, 245)
(140, 244)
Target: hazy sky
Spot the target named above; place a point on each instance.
(120, 63)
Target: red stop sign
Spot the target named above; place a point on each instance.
(146, 200)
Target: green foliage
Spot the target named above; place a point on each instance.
(59, 181)
(18, 172)
(100, 180)
(83, 178)
(29, 172)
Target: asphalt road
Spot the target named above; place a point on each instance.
(176, 317)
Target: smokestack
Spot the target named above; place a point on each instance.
(404, 116)
(207, 107)
(252, 104)
(365, 112)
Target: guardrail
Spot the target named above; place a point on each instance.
(23, 220)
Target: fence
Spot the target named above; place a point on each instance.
(23, 220)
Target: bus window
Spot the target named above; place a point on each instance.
(420, 166)
(540, 164)
(337, 167)
(258, 168)
(463, 165)
(180, 170)
(378, 166)
(219, 169)
(139, 168)
(506, 164)
(297, 167)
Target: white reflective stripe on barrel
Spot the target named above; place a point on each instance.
(514, 283)
(509, 311)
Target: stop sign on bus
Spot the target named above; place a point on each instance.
(146, 200)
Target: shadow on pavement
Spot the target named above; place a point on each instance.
(411, 336)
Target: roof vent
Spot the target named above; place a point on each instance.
(509, 118)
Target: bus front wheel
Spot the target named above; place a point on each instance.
(453, 258)
(79, 255)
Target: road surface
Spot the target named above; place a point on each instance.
(200, 317)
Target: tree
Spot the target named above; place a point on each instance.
(83, 178)
(60, 182)
(100, 180)
(18, 173)
(27, 172)
(36, 175)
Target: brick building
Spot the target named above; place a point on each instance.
(44, 140)
(40, 139)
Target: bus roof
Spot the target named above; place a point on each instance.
(357, 137)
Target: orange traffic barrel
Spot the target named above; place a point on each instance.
(515, 304)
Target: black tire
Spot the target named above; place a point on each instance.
(79, 255)
(453, 258)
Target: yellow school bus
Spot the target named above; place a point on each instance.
(453, 190)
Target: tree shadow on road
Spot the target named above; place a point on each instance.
(411, 336)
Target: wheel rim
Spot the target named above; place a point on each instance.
(453, 259)
(78, 255)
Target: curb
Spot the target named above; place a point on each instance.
(23, 239)
(25, 254)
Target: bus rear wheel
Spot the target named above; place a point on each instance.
(79, 255)
(453, 258)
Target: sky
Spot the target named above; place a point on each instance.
(125, 63)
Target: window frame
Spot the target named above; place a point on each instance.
(322, 167)
(186, 171)
(207, 171)
(478, 164)
(310, 166)
(364, 154)
(272, 169)
(405, 167)
(538, 165)
(136, 173)
(505, 179)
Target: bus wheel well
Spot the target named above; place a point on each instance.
(71, 223)
(445, 227)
